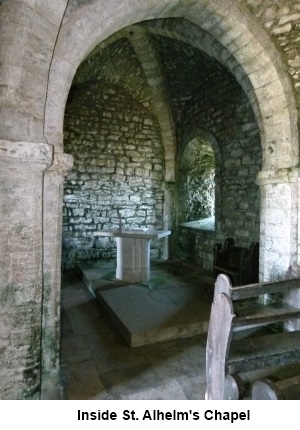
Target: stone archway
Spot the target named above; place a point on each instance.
(252, 58)
(207, 137)
(252, 53)
(229, 24)
(195, 182)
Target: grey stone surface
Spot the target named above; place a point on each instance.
(98, 364)
(166, 308)
(111, 174)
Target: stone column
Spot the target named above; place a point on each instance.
(279, 221)
(21, 183)
(52, 240)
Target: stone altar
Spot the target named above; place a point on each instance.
(133, 252)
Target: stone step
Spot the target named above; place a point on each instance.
(169, 307)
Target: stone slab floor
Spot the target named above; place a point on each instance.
(97, 363)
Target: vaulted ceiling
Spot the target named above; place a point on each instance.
(137, 62)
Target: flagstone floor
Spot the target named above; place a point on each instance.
(97, 363)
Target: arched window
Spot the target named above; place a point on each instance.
(196, 188)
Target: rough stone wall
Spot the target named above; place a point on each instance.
(281, 19)
(118, 170)
(194, 246)
(222, 109)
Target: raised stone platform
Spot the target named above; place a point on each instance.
(174, 304)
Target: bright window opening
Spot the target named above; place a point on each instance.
(196, 199)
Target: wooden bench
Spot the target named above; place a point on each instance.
(234, 312)
(238, 262)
